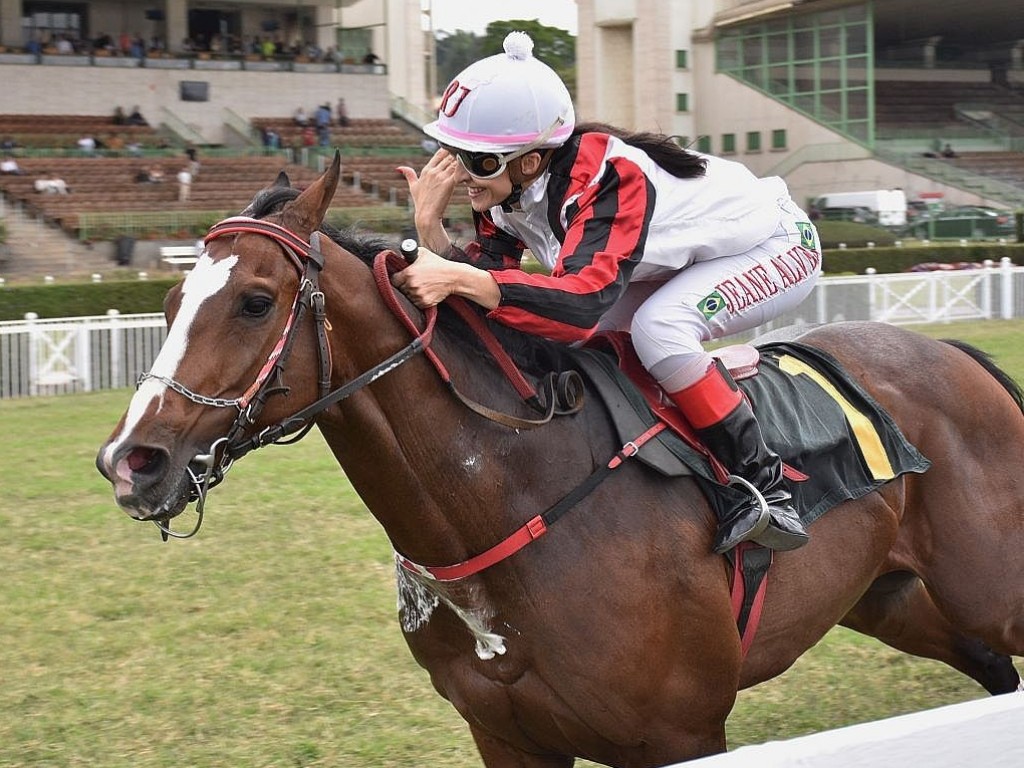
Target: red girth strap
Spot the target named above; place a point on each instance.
(536, 526)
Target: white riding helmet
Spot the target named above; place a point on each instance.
(505, 102)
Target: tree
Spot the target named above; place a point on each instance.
(457, 50)
(554, 46)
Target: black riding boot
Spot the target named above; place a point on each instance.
(727, 426)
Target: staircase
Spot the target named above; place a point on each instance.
(35, 249)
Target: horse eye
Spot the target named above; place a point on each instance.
(257, 306)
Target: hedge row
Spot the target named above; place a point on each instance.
(837, 261)
(80, 299)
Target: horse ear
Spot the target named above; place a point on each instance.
(282, 180)
(311, 206)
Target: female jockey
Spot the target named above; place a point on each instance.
(639, 235)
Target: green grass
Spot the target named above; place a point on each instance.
(271, 638)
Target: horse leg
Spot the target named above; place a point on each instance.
(898, 610)
(500, 754)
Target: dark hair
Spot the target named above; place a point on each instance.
(661, 148)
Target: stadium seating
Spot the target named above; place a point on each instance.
(365, 132)
(107, 184)
(905, 104)
(64, 131)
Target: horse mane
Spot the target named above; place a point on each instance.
(533, 354)
(985, 361)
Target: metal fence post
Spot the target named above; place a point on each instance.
(1006, 288)
(116, 347)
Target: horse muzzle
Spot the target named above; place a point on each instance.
(146, 485)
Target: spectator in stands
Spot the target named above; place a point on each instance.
(87, 144)
(300, 117)
(371, 58)
(147, 175)
(193, 161)
(8, 144)
(342, 113)
(947, 151)
(119, 116)
(184, 185)
(323, 115)
(137, 50)
(115, 144)
(136, 118)
(103, 42)
(271, 138)
(308, 136)
(50, 184)
(323, 124)
(9, 166)
(63, 45)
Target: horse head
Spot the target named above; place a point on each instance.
(218, 377)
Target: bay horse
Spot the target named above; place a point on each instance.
(612, 637)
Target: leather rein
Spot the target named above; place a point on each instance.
(561, 393)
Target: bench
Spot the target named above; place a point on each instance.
(176, 256)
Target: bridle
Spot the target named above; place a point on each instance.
(204, 470)
(561, 394)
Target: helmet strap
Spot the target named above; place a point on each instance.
(510, 202)
(517, 187)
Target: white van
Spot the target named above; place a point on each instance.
(889, 204)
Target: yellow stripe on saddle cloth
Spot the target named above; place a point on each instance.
(822, 423)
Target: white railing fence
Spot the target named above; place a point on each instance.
(82, 354)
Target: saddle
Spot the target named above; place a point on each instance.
(835, 441)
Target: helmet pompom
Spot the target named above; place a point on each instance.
(518, 46)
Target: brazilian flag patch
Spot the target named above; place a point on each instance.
(711, 305)
(806, 235)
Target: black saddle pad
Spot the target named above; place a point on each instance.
(812, 413)
(823, 423)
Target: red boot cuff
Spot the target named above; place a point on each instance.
(709, 400)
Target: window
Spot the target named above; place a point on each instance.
(704, 144)
(682, 102)
(728, 143)
(681, 56)
(753, 141)
(820, 63)
(779, 139)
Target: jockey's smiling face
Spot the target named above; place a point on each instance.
(486, 193)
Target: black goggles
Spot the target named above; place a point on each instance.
(490, 165)
(481, 165)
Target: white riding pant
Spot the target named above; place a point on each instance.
(670, 319)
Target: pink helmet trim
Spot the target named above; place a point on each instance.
(507, 139)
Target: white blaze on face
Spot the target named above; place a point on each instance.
(202, 283)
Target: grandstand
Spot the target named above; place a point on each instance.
(833, 95)
(107, 196)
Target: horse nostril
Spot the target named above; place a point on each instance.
(143, 460)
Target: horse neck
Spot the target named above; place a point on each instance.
(438, 478)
